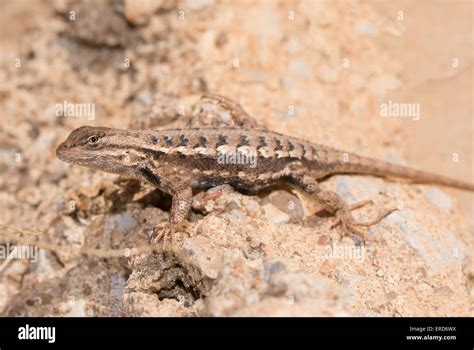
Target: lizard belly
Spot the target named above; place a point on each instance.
(242, 180)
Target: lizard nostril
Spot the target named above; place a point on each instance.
(62, 146)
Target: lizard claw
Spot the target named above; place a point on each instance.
(349, 225)
(166, 230)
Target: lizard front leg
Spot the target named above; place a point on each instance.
(182, 197)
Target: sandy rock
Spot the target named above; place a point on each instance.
(197, 5)
(275, 215)
(365, 28)
(139, 12)
(439, 198)
(272, 253)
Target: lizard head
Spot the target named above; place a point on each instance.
(94, 147)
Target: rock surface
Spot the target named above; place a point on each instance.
(268, 254)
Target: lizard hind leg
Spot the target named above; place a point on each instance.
(335, 205)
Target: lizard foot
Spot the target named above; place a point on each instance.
(349, 225)
(165, 232)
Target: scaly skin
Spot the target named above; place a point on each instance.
(178, 160)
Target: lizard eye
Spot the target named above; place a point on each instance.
(93, 140)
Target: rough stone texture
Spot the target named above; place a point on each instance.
(272, 253)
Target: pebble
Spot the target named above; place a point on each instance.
(122, 221)
(324, 240)
(275, 215)
(365, 28)
(439, 199)
(287, 203)
(197, 5)
(139, 12)
(301, 69)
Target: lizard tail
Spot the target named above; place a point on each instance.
(368, 166)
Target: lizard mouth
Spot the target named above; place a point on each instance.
(66, 153)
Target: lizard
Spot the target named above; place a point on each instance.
(180, 160)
